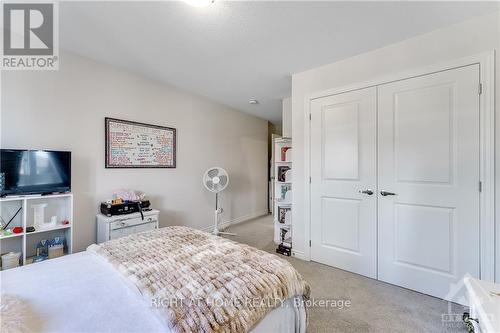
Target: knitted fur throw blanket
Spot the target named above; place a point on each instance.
(203, 283)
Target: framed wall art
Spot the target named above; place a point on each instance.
(131, 144)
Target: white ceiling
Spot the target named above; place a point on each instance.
(235, 51)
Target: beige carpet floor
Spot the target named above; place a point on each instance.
(375, 306)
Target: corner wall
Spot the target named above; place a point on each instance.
(467, 38)
(65, 110)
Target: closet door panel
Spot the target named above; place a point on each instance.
(343, 165)
(428, 166)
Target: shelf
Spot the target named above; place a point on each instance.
(282, 161)
(7, 199)
(49, 196)
(59, 227)
(60, 205)
(35, 197)
(11, 236)
(284, 205)
(29, 260)
(283, 140)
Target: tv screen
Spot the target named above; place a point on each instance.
(34, 171)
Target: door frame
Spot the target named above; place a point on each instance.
(486, 63)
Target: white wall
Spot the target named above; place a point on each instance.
(454, 42)
(65, 110)
(286, 117)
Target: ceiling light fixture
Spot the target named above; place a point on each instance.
(253, 101)
(199, 3)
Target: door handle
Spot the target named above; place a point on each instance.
(367, 191)
(385, 193)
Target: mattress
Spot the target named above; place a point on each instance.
(82, 293)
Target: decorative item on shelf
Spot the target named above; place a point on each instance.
(30, 228)
(42, 248)
(287, 199)
(288, 176)
(56, 248)
(5, 225)
(38, 218)
(284, 154)
(39, 257)
(52, 223)
(10, 260)
(6, 232)
(284, 189)
(65, 222)
(284, 247)
(56, 251)
(286, 237)
(285, 215)
(17, 230)
(285, 250)
(289, 154)
(282, 172)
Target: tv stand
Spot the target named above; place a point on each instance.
(60, 205)
(53, 193)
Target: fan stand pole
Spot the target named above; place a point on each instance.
(216, 224)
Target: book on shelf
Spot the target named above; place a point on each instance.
(288, 176)
(285, 215)
(284, 249)
(282, 173)
(285, 245)
(284, 189)
(286, 236)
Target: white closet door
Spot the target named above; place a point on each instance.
(343, 164)
(428, 144)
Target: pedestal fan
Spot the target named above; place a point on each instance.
(216, 180)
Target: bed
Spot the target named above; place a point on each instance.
(89, 292)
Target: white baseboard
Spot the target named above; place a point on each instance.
(225, 224)
(299, 255)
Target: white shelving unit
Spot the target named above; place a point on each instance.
(60, 205)
(282, 209)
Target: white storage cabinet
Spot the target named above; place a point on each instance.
(113, 227)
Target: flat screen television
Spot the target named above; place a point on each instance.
(34, 172)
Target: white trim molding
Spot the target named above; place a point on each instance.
(487, 166)
(241, 219)
(486, 63)
(299, 255)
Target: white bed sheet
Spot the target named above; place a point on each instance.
(82, 293)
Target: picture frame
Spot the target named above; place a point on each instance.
(130, 144)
